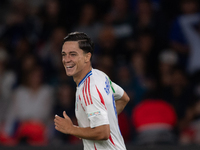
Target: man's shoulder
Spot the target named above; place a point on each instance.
(98, 73)
(99, 82)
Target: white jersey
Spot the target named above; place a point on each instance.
(95, 106)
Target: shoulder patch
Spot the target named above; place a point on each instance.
(96, 113)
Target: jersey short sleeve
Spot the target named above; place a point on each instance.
(117, 91)
(97, 111)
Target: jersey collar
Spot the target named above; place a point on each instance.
(87, 75)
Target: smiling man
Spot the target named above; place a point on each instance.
(98, 99)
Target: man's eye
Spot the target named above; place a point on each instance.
(63, 54)
(73, 54)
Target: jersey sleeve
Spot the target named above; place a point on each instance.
(96, 111)
(117, 90)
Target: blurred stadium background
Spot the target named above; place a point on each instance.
(151, 48)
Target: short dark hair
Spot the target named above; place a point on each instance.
(85, 43)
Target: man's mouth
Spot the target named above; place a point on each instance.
(68, 67)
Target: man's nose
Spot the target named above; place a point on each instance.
(66, 59)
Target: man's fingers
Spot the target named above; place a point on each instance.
(56, 124)
(57, 128)
(57, 120)
(60, 128)
(58, 117)
(62, 124)
(65, 115)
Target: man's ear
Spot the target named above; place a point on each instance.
(87, 57)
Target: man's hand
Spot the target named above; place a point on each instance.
(63, 125)
(66, 126)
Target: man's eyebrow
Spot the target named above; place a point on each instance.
(69, 52)
(72, 52)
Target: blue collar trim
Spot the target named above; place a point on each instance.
(82, 81)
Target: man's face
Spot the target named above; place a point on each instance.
(73, 58)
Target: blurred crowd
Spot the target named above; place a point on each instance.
(151, 48)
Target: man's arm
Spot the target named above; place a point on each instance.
(122, 102)
(66, 126)
(121, 97)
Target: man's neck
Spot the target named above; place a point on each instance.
(78, 78)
